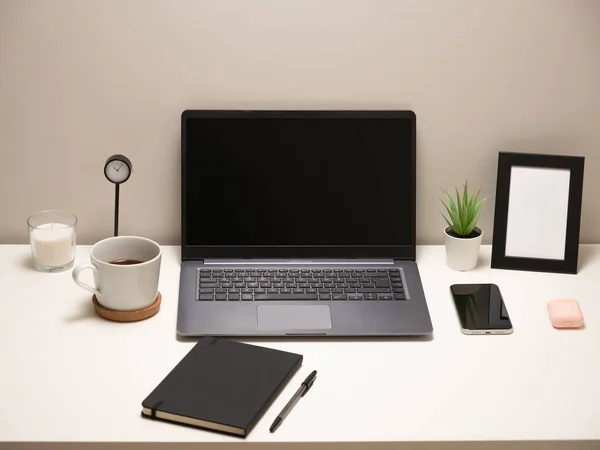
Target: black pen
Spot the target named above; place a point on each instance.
(304, 387)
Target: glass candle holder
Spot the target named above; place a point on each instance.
(52, 239)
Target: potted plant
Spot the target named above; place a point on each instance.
(462, 235)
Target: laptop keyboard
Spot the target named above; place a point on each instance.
(299, 284)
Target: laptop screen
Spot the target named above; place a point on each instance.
(279, 183)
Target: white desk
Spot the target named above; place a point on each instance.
(69, 377)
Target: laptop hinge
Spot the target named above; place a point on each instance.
(258, 262)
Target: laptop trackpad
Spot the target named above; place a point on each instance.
(294, 317)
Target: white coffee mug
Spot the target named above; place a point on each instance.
(126, 272)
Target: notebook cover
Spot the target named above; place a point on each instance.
(223, 382)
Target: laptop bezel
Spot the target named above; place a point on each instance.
(201, 252)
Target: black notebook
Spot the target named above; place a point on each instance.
(222, 385)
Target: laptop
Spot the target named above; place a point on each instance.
(299, 223)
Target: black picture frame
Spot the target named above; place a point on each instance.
(505, 231)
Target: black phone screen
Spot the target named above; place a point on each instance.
(480, 307)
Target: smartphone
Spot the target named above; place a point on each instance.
(481, 309)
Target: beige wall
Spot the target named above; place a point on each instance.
(82, 79)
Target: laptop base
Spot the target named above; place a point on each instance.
(408, 317)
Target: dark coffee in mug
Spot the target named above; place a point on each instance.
(126, 262)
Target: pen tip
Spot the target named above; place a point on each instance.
(275, 425)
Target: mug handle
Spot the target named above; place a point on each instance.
(77, 270)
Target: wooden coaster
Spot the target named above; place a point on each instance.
(127, 316)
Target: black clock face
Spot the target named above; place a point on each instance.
(117, 169)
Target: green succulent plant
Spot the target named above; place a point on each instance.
(464, 211)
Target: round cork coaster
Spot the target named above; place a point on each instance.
(127, 316)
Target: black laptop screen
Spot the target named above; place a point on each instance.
(298, 181)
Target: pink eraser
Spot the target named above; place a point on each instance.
(565, 313)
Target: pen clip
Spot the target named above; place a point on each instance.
(309, 382)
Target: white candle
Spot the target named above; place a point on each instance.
(53, 244)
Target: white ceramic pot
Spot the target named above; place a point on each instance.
(462, 253)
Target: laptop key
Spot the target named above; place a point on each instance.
(205, 291)
(234, 296)
(246, 291)
(380, 283)
(246, 296)
(286, 291)
(339, 296)
(355, 297)
(374, 291)
(206, 297)
(350, 291)
(221, 291)
(399, 297)
(398, 290)
(286, 297)
(208, 280)
(337, 291)
(221, 297)
(386, 297)
(209, 285)
(260, 291)
(370, 296)
(272, 291)
(377, 275)
(324, 296)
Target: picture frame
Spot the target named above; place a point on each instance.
(537, 214)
